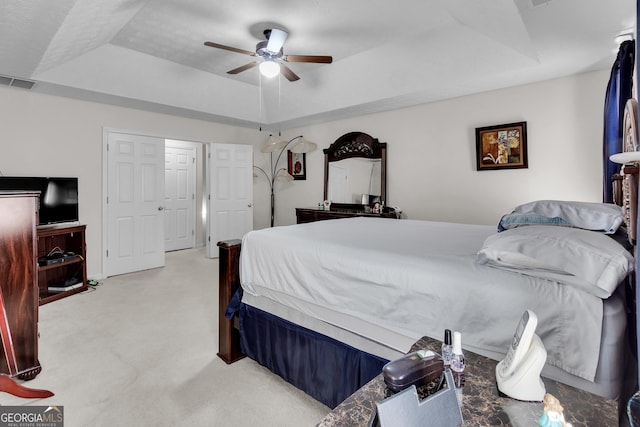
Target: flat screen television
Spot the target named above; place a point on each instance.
(58, 196)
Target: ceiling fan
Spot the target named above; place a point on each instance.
(272, 59)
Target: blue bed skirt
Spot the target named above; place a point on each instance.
(324, 368)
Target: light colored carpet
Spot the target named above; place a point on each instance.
(140, 350)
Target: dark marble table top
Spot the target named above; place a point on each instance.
(481, 403)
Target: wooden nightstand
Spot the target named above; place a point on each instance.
(481, 404)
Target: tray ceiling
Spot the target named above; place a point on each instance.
(149, 54)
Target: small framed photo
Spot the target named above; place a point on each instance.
(297, 166)
(502, 146)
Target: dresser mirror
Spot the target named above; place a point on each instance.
(355, 172)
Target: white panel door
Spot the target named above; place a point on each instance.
(135, 197)
(179, 197)
(230, 193)
(338, 185)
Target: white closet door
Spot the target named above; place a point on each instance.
(230, 193)
(179, 197)
(135, 203)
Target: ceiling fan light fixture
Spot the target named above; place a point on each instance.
(269, 68)
(270, 57)
(276, 39)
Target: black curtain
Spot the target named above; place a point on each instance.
(619, 90)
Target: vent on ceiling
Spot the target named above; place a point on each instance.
(16, 82)
(538, 3)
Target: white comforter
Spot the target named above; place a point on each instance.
(417, 278)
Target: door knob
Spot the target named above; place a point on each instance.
(249, 205)
(160, 208)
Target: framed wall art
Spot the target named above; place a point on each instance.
(502, 146)
(297, 165)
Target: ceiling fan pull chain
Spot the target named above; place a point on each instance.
(260, 97)
(279, 90)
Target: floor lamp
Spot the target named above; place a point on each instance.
(275, 145)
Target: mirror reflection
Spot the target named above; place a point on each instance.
(354, 180)
(355, 175)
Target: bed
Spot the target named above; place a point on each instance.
(375, 294)
(326, 304)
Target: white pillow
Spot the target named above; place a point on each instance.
(604, 217)
(591, 261)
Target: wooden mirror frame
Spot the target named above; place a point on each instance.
(356, 144)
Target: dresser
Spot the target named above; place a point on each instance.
(19, 279)
(317, 214)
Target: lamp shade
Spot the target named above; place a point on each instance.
(283, 175)
(625, 157)
(303, 146)
(273, 144)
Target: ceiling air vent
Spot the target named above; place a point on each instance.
(538, 3)
(16, 82)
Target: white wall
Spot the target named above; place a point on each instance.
(431, 150)
(46, 135)
(431, 153)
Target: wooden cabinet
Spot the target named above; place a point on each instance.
(314, 214)
(24, 282)
(62, 267)
(18, 279)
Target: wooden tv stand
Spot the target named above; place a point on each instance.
(68, 271)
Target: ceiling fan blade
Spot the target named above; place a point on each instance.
(232, 49)
(243, 68)
(290, 75)
(319, 59)
(276, 40)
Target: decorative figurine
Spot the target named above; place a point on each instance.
(553, 413)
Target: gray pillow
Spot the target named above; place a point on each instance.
(585, 259)
(605, 217)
